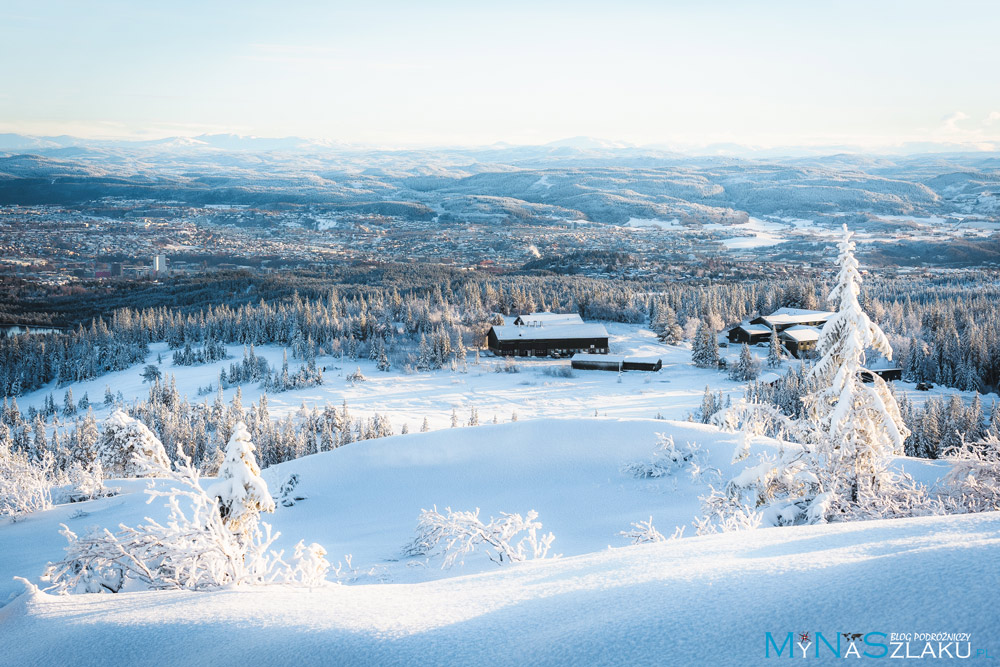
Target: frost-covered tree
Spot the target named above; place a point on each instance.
(858, 425)
(775, 353)
(704, 348)
(710, 404)
(382, 363)
(151, 373)
(69, 407)
(124, 442)
(241, 492)
(424, 357)
(194, 549)
(668, 330)
(746, 367)
(25, 485)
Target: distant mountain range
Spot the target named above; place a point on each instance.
(577, 179)
(234, 142)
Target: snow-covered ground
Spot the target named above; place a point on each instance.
(696, 600)
(674, 392)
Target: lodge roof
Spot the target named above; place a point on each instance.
(509, 332)
(544, 319)
(785, 316)
(800, 333)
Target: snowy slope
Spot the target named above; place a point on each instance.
(363, 499)
(706, 600)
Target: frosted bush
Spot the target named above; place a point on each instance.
(84, 483)
(973, 483)
(126, 444)
(309, 565)
(197, 548)
(724, 515)
(453, 535)
(757, 419)
(507, 366)
(642, 532)
(667, 459)
(25, 486)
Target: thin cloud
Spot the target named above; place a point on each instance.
(951, 121)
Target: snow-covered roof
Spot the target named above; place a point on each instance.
(796, 316)
(753, 328)
(614, 358)
(563, 331)
(547, 319)
(801, 334)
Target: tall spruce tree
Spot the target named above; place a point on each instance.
(858, 425)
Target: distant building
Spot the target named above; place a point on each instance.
(547, 335)
(612, 362)
(800, 340)
(805, 326)
(159, 264)
(887, 374)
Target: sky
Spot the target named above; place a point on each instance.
(471, 73)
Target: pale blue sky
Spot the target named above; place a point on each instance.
(766, 73)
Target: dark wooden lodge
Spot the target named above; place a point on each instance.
(565, 336)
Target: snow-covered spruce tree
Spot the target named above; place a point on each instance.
(840, 471)
(383, 358)
(704, 348)
(857, 425)
(746, 367)
(668, 331)
(124, 439)
(775, 353)
(241, 493)
(710, 404)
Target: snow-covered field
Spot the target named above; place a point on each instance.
(696, 600)
(404, 398)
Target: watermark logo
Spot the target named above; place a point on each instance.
(873, 645)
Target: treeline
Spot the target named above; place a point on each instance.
(943, 331)
(203, 429)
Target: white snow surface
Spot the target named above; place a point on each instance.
(602, 602)
(705, 600)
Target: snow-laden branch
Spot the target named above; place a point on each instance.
(453, 535)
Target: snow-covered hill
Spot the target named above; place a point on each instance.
(684, 601)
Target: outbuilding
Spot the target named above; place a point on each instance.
(614, 362)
